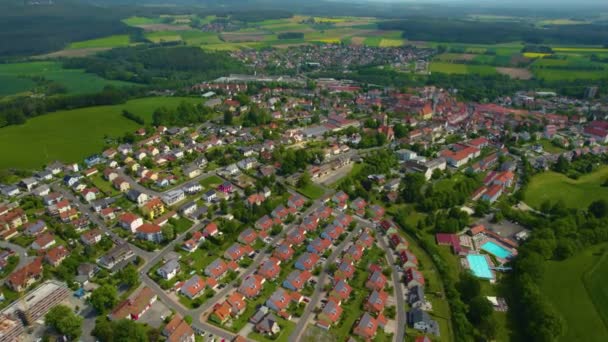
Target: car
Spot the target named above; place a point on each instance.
(306, 300)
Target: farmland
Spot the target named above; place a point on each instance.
(16, 78)
(106, 42)
(575, 193)
(71, 135)
(581, 298)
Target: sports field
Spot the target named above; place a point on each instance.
(581, 297)
(577, 193)
(14, 78)
(71, 135)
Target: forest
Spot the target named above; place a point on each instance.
(34, 30)
(465, 31)
(157, 64)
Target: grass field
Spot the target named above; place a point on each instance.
(105, 42)
(575, 193)
(455, 68)
(581, 296)
(134, 21)
(76, 81)
(312, 191)
(71, 135)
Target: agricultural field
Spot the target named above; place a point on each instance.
(15, 78)
(106, 42)
(454, 68)
(581, 298)
(575, 193)
(71, 135)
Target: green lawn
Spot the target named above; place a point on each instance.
(71, 135)
(14, 78)
(582, 304)
(312, 191)
(575, 193)
(211, 182)
(105, 42)
(287, 327)
(100, 183)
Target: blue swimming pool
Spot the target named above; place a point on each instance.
(496, 249)
(479, 265)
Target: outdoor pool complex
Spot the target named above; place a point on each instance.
(497, 250)
(479, 265)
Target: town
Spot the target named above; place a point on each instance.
(285, 217)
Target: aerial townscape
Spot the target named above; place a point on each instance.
(353, 170)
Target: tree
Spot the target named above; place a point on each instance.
(63, 320)
(228, 118)
(129, 276)
(304, 180)
(168, 233)
(124, 330)
(104, 298)
(599, 208)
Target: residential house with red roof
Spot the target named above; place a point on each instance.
(24, 277)
(296, 201)
(134, 307)
(319, 246)
(376, 281)
(375, 212)
(281, 298)
(452, 240)
(265, 223)
(153, 208)
(210, 230)
(296, 280)
(270, 268)
(407, 258)
(247, 237)
(251, 286)
(307, 261)
(376, 301)
(341, 291)
(413, 277)
(332, 232)
(191, 244)
(345, 271)
(91, 237)
(178, 330)
(366, 327)
(150, 232)
(296, 236)
(237, 251)
(218, 268)
(283, 252)
(358, 205)
(353, 254)
(56, 255)
(130, 222)
(193, 287)
(330, 315)
(43, 241)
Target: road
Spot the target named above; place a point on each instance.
(399, 295)
(319, 287)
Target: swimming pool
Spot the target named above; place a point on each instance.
(496, 249)
(479, 265)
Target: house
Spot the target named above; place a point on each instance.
(191, 244)
(191, 171)
(56, 255)
(135, 307)
(117, 255)
(137, 196)
(307, 261)
(44, 241)
(451, 240)
(174, 196)
(247, 237)
(376, 212)
(358, 205)
(318, 246)
(193, 287)
(376, 281)
(354, 253)
(237, 251)
(150, 232)
(415, 295)
(178, 330)
(376, 301)
(24, 277)
(283, 252)
(413, 277)
(121, 184)
(268, 325)
(28, 183)
(169, 270)
(85, 272)
(153, 208)
(110, 174)
(296, 280)
(366, 327)
(188, 209)
(225, 187)
(265, 223)
(210, 230)
(130, 222)
(332, 232)
(210, 196)
(13, 219)
(42, 190)
(492, 193)
(296, 201)
(340, 199)
(251, 286)
(281, 299)
(281, 212)
(91, 237)
(296, 236)
(341, 291)
(89, 194)
(34, 228)
(408, 259)
(10, 190)
(270, 268)
(217, 269)
(330, 314)
(420, 320)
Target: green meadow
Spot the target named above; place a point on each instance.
(581, 297)
(577, 193)
(71, 135)
(15, 77)
(105, 42)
